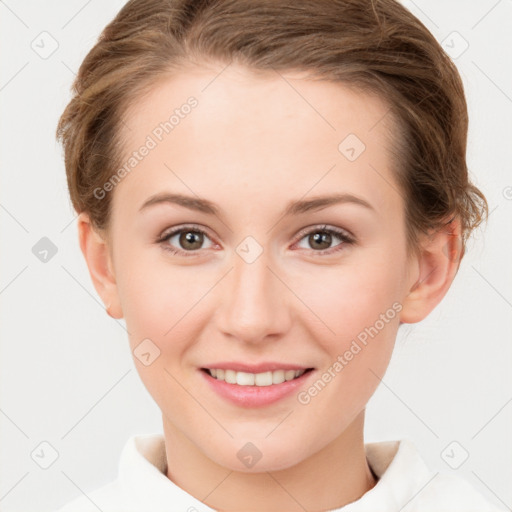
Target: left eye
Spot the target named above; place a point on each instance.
(321, 236)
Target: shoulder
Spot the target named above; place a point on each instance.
(141, 484)
(116, 495)
(406, 483)
(452, 493)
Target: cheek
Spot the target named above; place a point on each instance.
(349, 298)
(360, 306)
(365, 320)
(160, 304)
(159, 300)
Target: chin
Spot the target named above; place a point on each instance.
(259, 455)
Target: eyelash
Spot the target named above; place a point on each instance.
(340, 233)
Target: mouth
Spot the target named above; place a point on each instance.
(262, 379)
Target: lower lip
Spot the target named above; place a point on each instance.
(255, 396)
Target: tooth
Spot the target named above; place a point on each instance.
(278, 377)
(230, 376)
(245, 379)
(263, 379)
(260, 379)
(289, 374)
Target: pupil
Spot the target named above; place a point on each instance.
(188, 238)
(322, 237)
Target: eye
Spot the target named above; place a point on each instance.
(320, 239)
(188, 238)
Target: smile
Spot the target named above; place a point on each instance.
(245, 389)
(255, 379)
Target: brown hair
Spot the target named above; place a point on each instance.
(377, 46)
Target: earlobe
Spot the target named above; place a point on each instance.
(436, 267)
(95, 249)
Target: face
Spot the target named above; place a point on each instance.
(253, 268)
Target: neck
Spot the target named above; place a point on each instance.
(336, 475)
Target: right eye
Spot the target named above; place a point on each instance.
(190, 238)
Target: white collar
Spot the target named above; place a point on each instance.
(405, 482)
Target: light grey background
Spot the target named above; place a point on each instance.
(66, 374)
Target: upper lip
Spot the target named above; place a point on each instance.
(269, 366)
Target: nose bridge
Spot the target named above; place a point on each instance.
(253, 304)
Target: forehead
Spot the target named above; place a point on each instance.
(325, 109)
(262, 131)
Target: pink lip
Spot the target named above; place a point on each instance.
(254, 396)
(269, 366)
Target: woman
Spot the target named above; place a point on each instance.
(266, 191)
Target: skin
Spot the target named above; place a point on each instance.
(253, 144)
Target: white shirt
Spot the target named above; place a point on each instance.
(405, 484)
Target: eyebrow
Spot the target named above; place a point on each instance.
(293, 208)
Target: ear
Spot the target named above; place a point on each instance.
(96, 251)
(435, 267)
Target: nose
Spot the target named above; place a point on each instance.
(254, 304)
